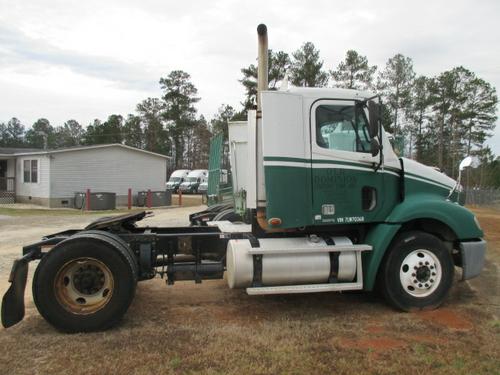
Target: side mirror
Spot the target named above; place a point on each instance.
(467, 162)
(373, 118)
(375, 147)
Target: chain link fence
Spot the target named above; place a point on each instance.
(482, 197)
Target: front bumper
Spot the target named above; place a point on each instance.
(473, 254)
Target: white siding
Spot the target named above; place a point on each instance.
(38, 189)
(109, 169)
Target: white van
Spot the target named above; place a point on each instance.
(193, 181)
(176, 179)
(203, 188)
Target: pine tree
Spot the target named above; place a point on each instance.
(41, 134)
(395, 82)
(354, 72)
(132, 132)
(156, 138)
(278, 64)
(179, 98)
(220, 121)
(418, 116)
(307, 68)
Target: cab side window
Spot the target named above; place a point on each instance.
(342, 127)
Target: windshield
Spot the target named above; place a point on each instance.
(192, 179)
(174, 179)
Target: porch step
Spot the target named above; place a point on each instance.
(310, 288)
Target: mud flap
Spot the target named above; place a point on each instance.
(13, 299)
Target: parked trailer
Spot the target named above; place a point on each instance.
(323, 204)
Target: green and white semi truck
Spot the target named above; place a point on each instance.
(321, 203)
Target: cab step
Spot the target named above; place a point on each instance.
(310, 288)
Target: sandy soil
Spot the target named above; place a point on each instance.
(208, 328)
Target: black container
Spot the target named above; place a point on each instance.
(98, 201)
(158, 198)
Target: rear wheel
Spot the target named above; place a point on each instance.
(417, 272)
(84, 285)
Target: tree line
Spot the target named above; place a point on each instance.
(436, 120)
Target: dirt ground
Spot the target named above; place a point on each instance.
(211, 329)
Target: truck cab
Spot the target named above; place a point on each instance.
(176, 179)
(325, 165)
(193, 181)
(318, 153)
(223, 182)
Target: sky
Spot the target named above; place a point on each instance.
(65, 59)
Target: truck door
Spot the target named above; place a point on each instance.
(346, 189)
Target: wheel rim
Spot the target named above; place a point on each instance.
(420, 273)
(84, 286)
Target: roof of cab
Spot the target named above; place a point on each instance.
(326, 93)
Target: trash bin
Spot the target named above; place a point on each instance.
(98, 200)
(158, 198)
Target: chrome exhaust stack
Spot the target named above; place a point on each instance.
(262, 68)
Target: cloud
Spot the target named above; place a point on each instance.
(18, 49)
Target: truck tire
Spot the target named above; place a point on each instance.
(84, 284)
(417, 272)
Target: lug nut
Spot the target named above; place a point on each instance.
(420, 285)
(413, 274)
(431, 280)
(426, 263)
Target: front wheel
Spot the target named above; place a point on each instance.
(417, 272)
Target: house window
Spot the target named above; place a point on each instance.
(34, 171)
(30, 171)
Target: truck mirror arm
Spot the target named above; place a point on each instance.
(380, 132)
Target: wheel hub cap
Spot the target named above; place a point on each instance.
(89, 280)
(420, 273)
(84, 285)
(423, 274)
